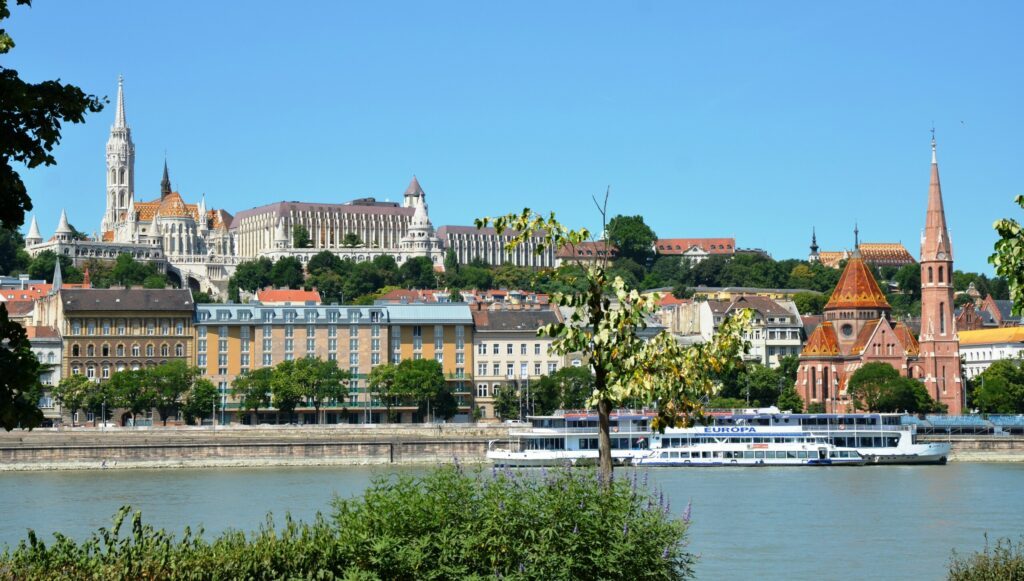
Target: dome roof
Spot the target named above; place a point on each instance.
(857, 289)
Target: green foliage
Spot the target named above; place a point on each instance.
(878, 387)
(72, 392)
(451, 262)
(287, 272)
(790, 400)
(567, 388)
(444, 525)
(418, 273)
(253, 389)
(202, 398)
(1000, 388)
(351, 240)
(19, 379)
(633, 238)
(13, 258)
(300, 237)
(506, 402)
(788, 366)
(130, 389)
(286, 394)
(169, 382)
(316, 381)
(252, 275)
(1008, 257)
(731, 403)
(126, 271)
(816, 407)
(422, 381)
(324, 261)
(43, 264)
(382, 383)
(30, 121)
(762, 385)
(1002, 562)
(908, 277)
(809, 303)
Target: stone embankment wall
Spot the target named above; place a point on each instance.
(283, 446)
(982, 448)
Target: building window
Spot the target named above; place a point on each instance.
(310, 345)
(267, 330)
(106, 327)
(243, 345)
(510, 370)
(90, 372)
(179, 350)
(522, 349)
(150, 350)
(536, 368)
(267, 360)
(332, 331)
(201, 331)
(150, 328)
(310, 330)
(353, 359)
(552, 367)
(942, 318)
(508, 350)
(201, 345)
(165, 350)
(481, 369)
(353, 330)
(90, 351)
(91, 329)
(375, 359)
(332, 345)
(460, 358)
(375, 331)
(75, 351)
(536, 348)
(105, 350)
(289, 345)
(495, 349)
(244, 362)
(481, 390)
(201, 360)
(106, 372)
(496, 368)
(481, 349)
(76, 327)
(353, 344)
(136, 352)
(222, 345)
(179, 328)
(120, 350)
(289, 331)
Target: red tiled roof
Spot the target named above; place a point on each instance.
(910, 344)
(41, 332)
(864, 336)
(270, 295)
(588, 251)
(669, 300)
(877, 253)
(20, 308)
(681, 245)
(823, 342)
(857, 289)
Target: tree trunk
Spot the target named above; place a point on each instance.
(604, 442)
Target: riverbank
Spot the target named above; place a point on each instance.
(245, 447)
(334, 445)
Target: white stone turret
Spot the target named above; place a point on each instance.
(64, 233)
(420, 238)
(281, 236)
(202, 214)
(120, 166)
(34, 237)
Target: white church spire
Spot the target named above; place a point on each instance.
(119, 119)
(120, 166)
(34, 237)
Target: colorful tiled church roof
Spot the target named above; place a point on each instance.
(864, 337)
(857, 289)
(823, 342)
(876, 253)
(169, 206)
(910, 344)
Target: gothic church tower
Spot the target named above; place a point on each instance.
(940, 346)
(120, 166)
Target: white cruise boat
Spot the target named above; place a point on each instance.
(570, 438)
(745, 446)
(878, 438)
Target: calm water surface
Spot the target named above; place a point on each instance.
(813, 523)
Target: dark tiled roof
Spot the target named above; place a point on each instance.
(514, 319)
(135, 299)
(1006, 310)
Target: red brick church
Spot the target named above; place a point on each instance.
(858, 327)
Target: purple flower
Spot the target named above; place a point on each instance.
(522, 568)
(664, 554)
(501, 505)
(576, 529)
(686, 513)
(646, 474)
(625, 529)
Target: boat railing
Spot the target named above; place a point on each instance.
(616, 432)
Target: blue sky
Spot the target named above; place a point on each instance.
(753, 119)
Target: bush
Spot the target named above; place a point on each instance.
(1004, 562)
(445, 525)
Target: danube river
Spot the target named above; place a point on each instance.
(888, 522)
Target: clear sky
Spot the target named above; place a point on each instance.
(756, 120)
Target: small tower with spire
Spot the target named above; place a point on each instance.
(165, 183)
(814, 256)
(120, 165)
(34, 237)
(940, 345)
(64, 233)
(281, 238)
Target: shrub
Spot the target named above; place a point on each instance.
(1004, 562)
(445, 525)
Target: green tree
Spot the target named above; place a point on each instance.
(43, 264)
(169, 383)
(201, 398)
(253, 275)
(418, 273)
(1000, 388)
(253, 390)
(72, 393)
(868, 385)
(451, 262)
(351, 240)
(330, 285)
(324, 261)
(567, 388)
(13, 258)
(319, 381)
(423, 380)
(382, 383)
(809, 303)
(300, 237)
(286, 394)
(788, 366)
(626, 367)
(506, 402)
(763, 385)
(633, 237)
(130, 390)
(908, 278)
(30, 122)
(790, 400)
(1008, 257)
(19, 380)
(287, 273)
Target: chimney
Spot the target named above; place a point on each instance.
(23, 280)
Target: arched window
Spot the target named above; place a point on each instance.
(150, 350)
(165, 350)
(105, 350)
(120, 350)
(76, 350)
(121, 180)
(930, 274)
(941, 269)
(76, 370)
(824, 383)
(113, 176)
(90, 351)
(942, 318)
(135, 350)
(179, 350)
(814, 383)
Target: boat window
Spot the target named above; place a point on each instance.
(802, 454)
(684, 454)
(759, 454)
(791, 454)
(673, 454)
(663, 455)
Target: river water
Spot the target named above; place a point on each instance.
(882, 522)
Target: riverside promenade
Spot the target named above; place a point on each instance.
(327, 445)
(194, 447)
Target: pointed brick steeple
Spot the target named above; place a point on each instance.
(935, 244)
(165, 183)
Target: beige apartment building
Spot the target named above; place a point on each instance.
(508, 350)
